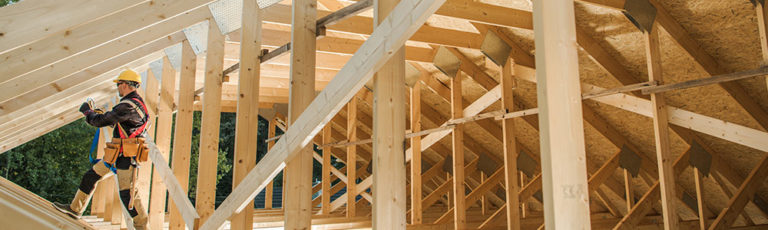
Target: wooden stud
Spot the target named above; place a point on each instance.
(389, 196)
(661, 129)
(182, 140)
(698, 181)
(762, 28)
(745, 193)
(247, 124)
(164, 127)
(416, 176)
(99, 196)
(510, 148)
(459, 199)
(268, 197)
(209, 130)
(326, 172)
(628, 191)
(151, 97)
(566, 203)
(299, 185)
(351, 156)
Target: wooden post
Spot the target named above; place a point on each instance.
(351, 157)
(389, 135)
(510, 148)
(416, 193)
(209, 130)
(100, 196)
(745, 193)
(326, 176)
(628, 193)
(661, 128)
(563, 157)
(459, 197)
(762, 23)
(163, 141)
(182, 140)
(298, 209)
(247, 124)
(270, 188)
(145, 168)
(697, 179)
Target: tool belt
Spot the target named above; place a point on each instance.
(129, 145)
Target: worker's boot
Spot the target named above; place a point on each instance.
(140, 220)
(76, 208)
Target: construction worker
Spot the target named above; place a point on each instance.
(131, 115)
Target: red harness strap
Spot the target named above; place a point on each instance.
(141, 129)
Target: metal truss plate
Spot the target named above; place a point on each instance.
(448, 164)
(629, 160)
(495, 48)
(228, 14)
(486, 164)
(641, 13)
(411, 75)
(690, 201)
(174, 55)
(526, 164)
(539, 196)
(700, 158)
(755, 2)
(501, 193)
(197, 35)
(157, 69)
(446, 62)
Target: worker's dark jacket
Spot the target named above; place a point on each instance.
(128, 118)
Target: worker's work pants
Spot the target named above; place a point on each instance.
(124, 177)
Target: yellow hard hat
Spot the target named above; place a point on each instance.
(128, 75)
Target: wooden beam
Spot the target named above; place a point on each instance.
(388, 36)
(209, 131)
(351, 155)
(562, 134)
(457, 140)
(389, 196)
(698, 181)
(182, 139)
(510, 148)
(82, 39)
(164, 127)
(762, 71)
(270, 188)
(298, 210)
(175, 192)
(22, 20)
(745, 193)
(247, 124)
(326, 172)
(144, 178)
(661, 129)
(416, 179)
(762, 28)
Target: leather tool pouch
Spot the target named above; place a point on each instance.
(111, 152)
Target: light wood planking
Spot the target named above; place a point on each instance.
(566, 203)
(326, 172)
(247, 124)
(457, 140)
(164, 127)
(182, 139)
(416, 170)
(510, 147)
(209, 130)
(351, 155)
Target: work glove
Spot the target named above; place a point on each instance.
(85, 108)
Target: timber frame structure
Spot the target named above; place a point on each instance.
(611, 114)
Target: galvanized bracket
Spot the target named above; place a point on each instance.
(690, 201)
(486, 164)
(641, 13)
(448, 164)
(495, 48)
(629, 160)
(700, 158)
(526, 164)
(412, 75)
(228, 14)
(539, 196)
(446, 62)
(197, 35)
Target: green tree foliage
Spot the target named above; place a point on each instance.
(7, 2)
